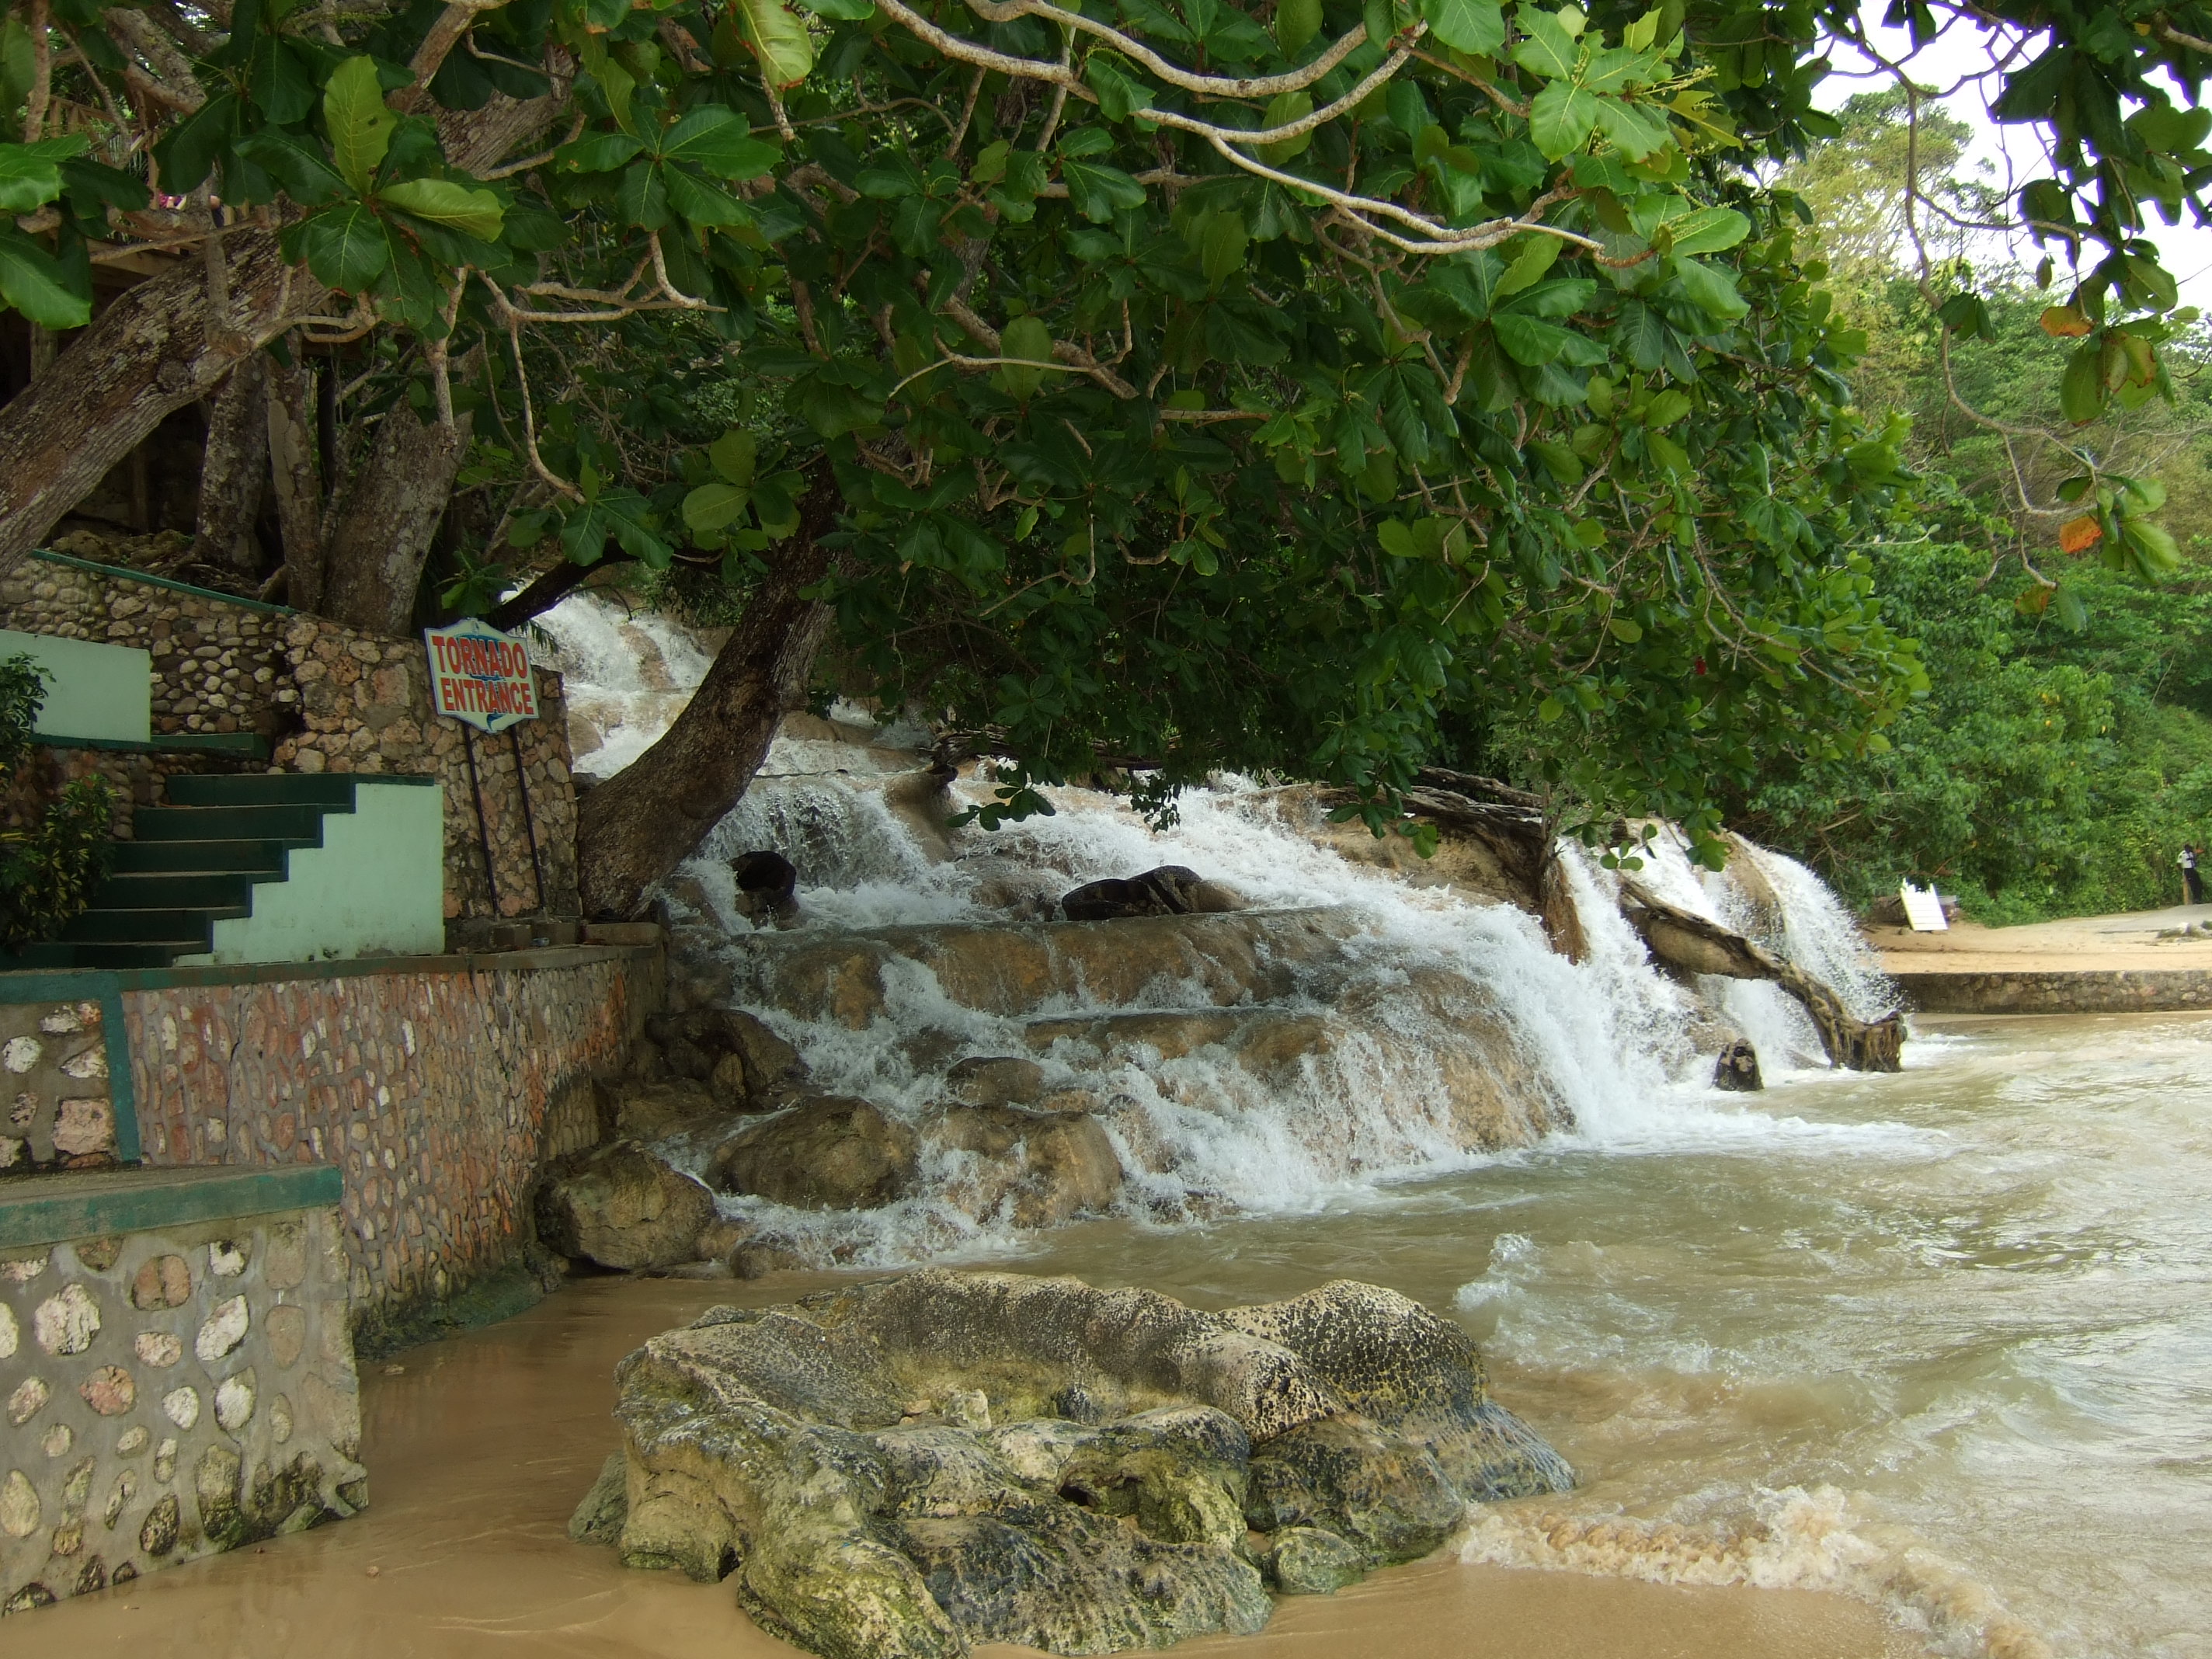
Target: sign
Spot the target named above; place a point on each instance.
(1923, 908)
(480, 677)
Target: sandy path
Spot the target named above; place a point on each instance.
(2087, 943)
(479, 1447)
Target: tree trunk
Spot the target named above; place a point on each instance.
(234, 470)
(295, 468)
(380, 524)
(639, 825)
(548, 590)
(150, 352)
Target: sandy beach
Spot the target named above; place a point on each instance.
(2130, 940)
(478, 1448)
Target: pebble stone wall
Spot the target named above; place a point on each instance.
(135, 778)
(168, 1395)
(440, 1094)
(53, 1069)
(328, 699)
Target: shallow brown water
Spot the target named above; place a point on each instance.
(479, 1447)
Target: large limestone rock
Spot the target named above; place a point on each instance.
(832, 1152)
(1170, 890)
(621, 1206)
(899, 1469)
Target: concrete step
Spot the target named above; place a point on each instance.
(299, 823)
(245, 857)
(262, 789)
(182, 929)
(179, 890)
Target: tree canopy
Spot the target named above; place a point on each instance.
(1322, 387)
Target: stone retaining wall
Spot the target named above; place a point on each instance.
(2089, 991)
(59, 1112)
(169, 1394)
(137, 777)
(439, 1087)
(330, 699)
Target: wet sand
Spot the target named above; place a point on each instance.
(478, 1448)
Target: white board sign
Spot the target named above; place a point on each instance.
(480, 677)
(1923, 909)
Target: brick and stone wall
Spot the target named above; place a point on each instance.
(135, 778)
(330, 699)
(440, 1092)
(168, 1393)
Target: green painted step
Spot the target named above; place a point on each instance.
(220, 889)
(257, 858)
(65, 953)
(299, 823)
(262, 789)
(184, 929)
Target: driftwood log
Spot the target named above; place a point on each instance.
(1693, 945)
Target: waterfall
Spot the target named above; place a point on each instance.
(1354, 1026)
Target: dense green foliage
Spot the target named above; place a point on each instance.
(49, 867)
(1318, 386)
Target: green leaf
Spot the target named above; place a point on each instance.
(733, 454)
(715, 506)
(2155, 554)
(1098, 192)
(283, 89)
(34, 284)
(1624, 630)
(717, 141)
(1636, 130)
(845, 12)
(308, 179)
(1028, 339)
(1529, 265)
(778, 39)
(702, 203)
(472, 212)
(28, 180)
(597, 152)
(1707, 230)
(1528, 341)
(2082, 388)
(1663, 410)
(1120, 92)
(1550, 50)
(358, 123)
(187, 154)
(1470, 26)
(641, 199)
(1397, 539)
(1284, 108)
(1221, 255)
(1297, 22)
(1562, 118)
(1710, 288)
(346, 246)
(1668, 454)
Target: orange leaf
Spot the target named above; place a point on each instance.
(2064, 323)
(2079, 535)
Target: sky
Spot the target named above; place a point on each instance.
(2012, 155)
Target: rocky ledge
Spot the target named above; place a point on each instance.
(896, 1470)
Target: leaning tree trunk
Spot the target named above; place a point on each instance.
(640, 824)
(295, 472)
(234, 470)
(380, 524)
(153, 350)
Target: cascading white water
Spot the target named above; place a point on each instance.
(627, 676)
(1601, 1051)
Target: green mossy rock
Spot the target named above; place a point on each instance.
(893, 1471)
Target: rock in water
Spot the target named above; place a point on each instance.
(619, 1206)
(829, 1153)
(1170, 891)
(838, 1458)
(995, 1080)
(1737, 1069)
(1039, 1168)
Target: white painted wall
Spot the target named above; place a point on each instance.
(92, 690)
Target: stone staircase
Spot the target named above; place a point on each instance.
(212, 855)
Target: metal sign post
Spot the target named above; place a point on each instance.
(482, 677)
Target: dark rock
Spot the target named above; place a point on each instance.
(1387, 1494)
(1048, 1575)
(1415, 1375)
(619, 1206)
(1170, 891)
(1038, 1169)
(832, 1152)
(647, 1111)
(598, 1519)
(768, 884)
(995, 1080)
(745, 1066)
(1737, 1069)
(759, 1258)
(1308, 1561)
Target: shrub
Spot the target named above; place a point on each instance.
(48, 866)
